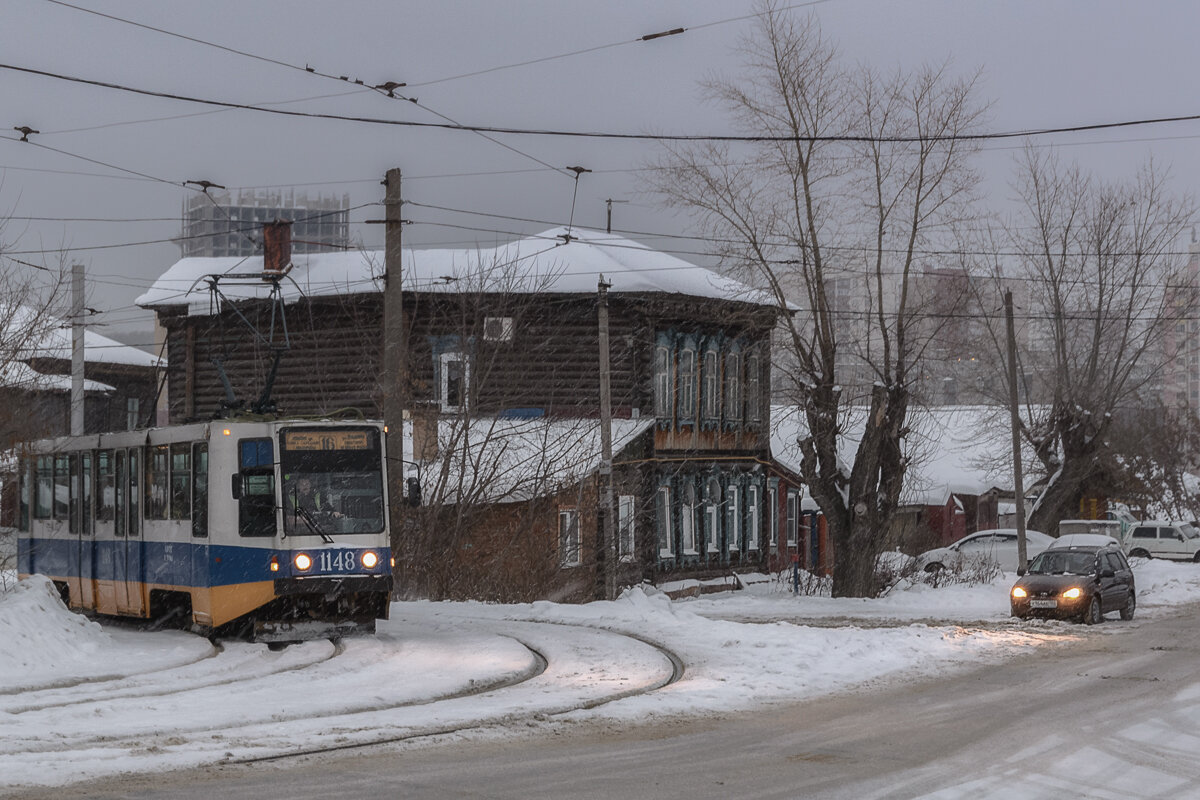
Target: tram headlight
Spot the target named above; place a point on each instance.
(303, 562)
(370, 560)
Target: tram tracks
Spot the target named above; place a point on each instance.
(506, 699)
(166, 682)
(676, 672)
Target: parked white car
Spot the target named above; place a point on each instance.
(997, 545)
(1179, 541)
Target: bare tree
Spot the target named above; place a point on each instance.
(31, 296)
(1105, 281)
(860, 176)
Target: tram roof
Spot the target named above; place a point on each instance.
(554, 261)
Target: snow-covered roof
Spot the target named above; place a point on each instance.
(56, 343)
(21, 376)
(494, 459)
(950, 449)
(542, 262)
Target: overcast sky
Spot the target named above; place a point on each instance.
(1045, 63)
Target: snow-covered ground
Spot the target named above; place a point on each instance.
(78, 699)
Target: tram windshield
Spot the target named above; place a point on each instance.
(332, 480)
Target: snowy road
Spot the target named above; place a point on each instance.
(758, 688)
(1114, 715)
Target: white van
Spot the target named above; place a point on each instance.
(1179, 541)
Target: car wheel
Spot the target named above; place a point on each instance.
(1139, 553)
(1196, 557)
(936, 566)
(1130, 607)
(1093, 616)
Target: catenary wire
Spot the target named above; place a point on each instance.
(662, 137)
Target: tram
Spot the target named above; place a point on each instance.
(276, 530)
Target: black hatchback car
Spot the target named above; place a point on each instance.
(1079, 580)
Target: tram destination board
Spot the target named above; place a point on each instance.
(326, 440)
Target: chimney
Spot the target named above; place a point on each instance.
(277, 247)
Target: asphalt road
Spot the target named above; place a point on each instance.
(1114, 714)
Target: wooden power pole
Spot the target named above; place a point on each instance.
(394, 344)
(77, 353)
(606, 456)
(1015, 419)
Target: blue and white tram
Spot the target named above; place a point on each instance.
(277, 529)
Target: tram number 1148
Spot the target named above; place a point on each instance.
(336, 561)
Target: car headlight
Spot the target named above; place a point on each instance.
(302, 562)
(1019, 592)
(369, 560)
(1073, 593)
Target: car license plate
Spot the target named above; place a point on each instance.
(1043, 603)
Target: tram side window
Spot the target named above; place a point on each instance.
(119, 492)
(181, 480)
(62, 486)
(73, 494)
(200, 490)
(134, 471)
(106, 487)
(85, 493)
(43, 490)
(256, 473)
(158, 465)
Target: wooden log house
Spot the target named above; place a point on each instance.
(507, 334)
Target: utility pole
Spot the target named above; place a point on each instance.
(1015, 420)
(606, 455)
(394, 345)
(77, 355)
(609, 202)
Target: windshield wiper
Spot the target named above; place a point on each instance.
(305, 515)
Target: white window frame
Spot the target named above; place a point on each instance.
(753, 388)
(625, 527)
(773, 516)
(687, 384)
(444, 379)
(663, 512)
(733, 518)
(710, 398)
(570, 550)
(793, 517)
(712, 511)
(752, 510)
(663, 396)
(733, 388)
(133, 411)
(687, 520)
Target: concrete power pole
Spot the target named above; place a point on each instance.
(77, 355)
(606, 455)
(1015, 420)
(393, 354)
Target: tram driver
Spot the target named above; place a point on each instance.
(306, 505)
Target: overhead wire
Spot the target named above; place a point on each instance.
(614, 135)
(596, 48)
(386, 89)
